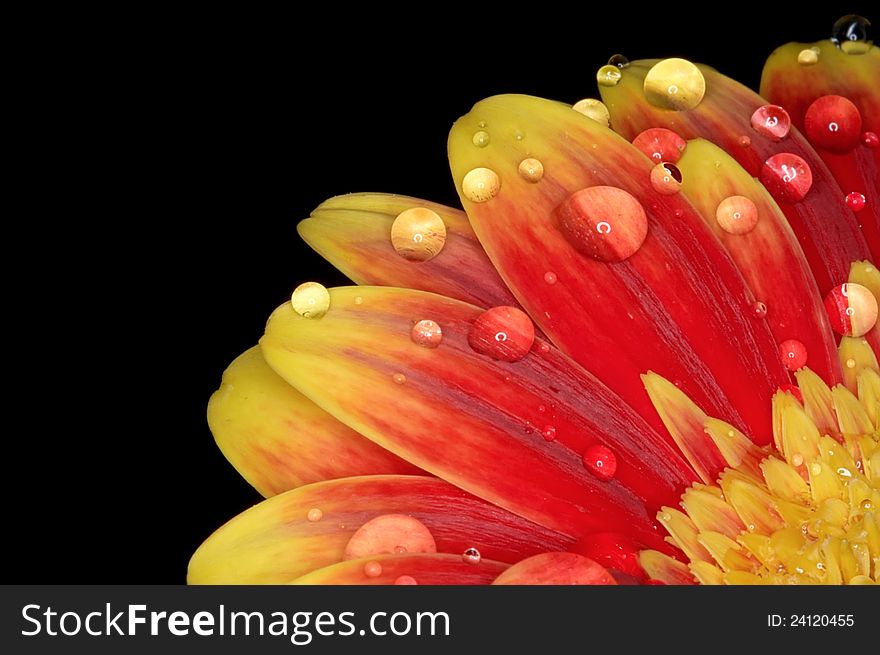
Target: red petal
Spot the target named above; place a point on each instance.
(556, 569)
(436, 569)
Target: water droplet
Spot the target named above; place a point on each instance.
(787, 177)
(544, 348)
(665, 517)
(481, 139)
(531, 170)
(390, 534)
(870, 139)
(418, 234)
(504, 333)
(399, 378)
(759, 309)
(844, 472)
(833, 123)
(549, 433)
(427, 333)
(471, 556)
(852, 309)
(600, 461)
(745, 141)
(405, 580)
(550, 277)
(865, 504)
(594, 109)
(850, 363)
(481, 124)
(358, 300)
(794, 354)
(674, 84)
(807, 57)
(660, 144)
(771, 121)
(666, 179)
(815, 468)
(751, 527)
(400, 550)
(310, 300)
(618, 60)
(852, 34)
(518, 135)
(315, 515)
(372, 569)
(737, 215)
(602, 222)
(797, 459)
(480, 185)
(608, 76)
(856, 201)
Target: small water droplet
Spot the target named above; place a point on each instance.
(471, 556)
(503, 333)
(602, 222)
(850, 363)
(608, 76)
(400, 550)
(745, 141)
(358, 300)
(593, 109)
(315, 515)
(481, 139)
(855, 201)
(751, 527)
(844, 472)
(480, 185)
(815, 468)
(820, 566)
(405, 580)
(372, 569)
(310, 300)
(600, 461)
(674, 84)
(807, 57)
(665, 516)
(852, 309)
(531, 170)
(399, 378)
(852, 34)
(833, 123)
(427, 333)
(771, 121)
(544, 348)
(870, 139)
(737, 215)
(759, 309)
(418, 234)
(787, 177)
(666, 179)
(481, 124)
(660, 144)
(678, 213)
(797, 459)
(794, 354)
(618, 60)
(550, 277)
(549, 433)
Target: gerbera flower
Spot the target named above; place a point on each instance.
(627, 359)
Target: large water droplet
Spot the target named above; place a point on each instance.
(418, 234)
(856, 201)
(405, 580)
(480, 185)
(386, 534)
(852, 34)
(787, 177)
(310, 300)
(315, 514)
(481, 139)
(531, 170)
(794, 354)
(427, 333)
(852, 309)
(503, 333)
(605, 223)
(833, 123)
(674, 84)
(595, 109)
(771, 121)
(666, 179)
(608, 76)
(737, 215)
(808, 57)
(660, 144)
(549, 433)
(471, 556)
(372, 569)
(618, 60)
(600, 461)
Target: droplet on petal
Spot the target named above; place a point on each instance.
(405, 580)
(833, 123)
(794, 354)
(666, 179)
(608, 76)
(870, 139)
(399, 378)
(315, 515)
(471, 556)
(600, 461)
(503, 333)
(549, 433)
(807, 57)
(787, 177)
(427, 333)
(602, 222)
(855, 201)
(852, 309)
(674, 84)
(618, 60)
(386, 534)
(531, 170)
(759, 309)
(745, 141)
(771, 121)
(310, 300)
(481, 139)
(372, 569)
(480, 185)
(850, 363)
(594, 109)
(737, 215)
(418, 234)
(852, 34)
(550, 277)
(660, 144)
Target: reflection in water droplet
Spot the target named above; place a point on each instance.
(855, 201)
(794, 354)
(660, 144)
(787, 177)
(471, 556)
(531, 170)
(405, 580)
(674, 84)
(604, 223)
(427, 333)
(595, 109)
(833, 123)
(310, 300)
(608, 76)
(759, 310)
(372, 569)
(481, 139)
(503, 333)
(550, 277)
(807, 57)
(600, 461)
(399, 378)
(666, 179)
(418, 234)
(618, 60)
(480, 185)
(771, 121)
(852, 34)
(852, 309)
(737, 215)
(315, 515)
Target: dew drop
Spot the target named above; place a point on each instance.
(737, 215)
(418, 234)
(771, 121)
(852, 34)
(400, 550)
(794, 354)
(531, 170)
(608, 76)
(674, 84)
(549, 433)
(850, 363)
(844, 472)
(865, 504)
(856, 201)
(815, 468)
(852, 309)
(797, 459)
(833, 123)
(427, 333)
(550, 277)
(372, 569)
(602, 222)
(310, 300)
(390, 534)
(787, 177)
(660, 144)
(405, 580)
(745, 141)
(870, 139)
(315, 515)
(399, 378)
(759, 310)
(481, 139)
(358, 300)
(666, 179)
(593, 109)
(618, 60)
(600, 461)
(544, 348)
(480, 185)
(481, 124)
(807, 57)
(471, 556)
(503, 333)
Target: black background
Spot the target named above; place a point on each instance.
(172, 167)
